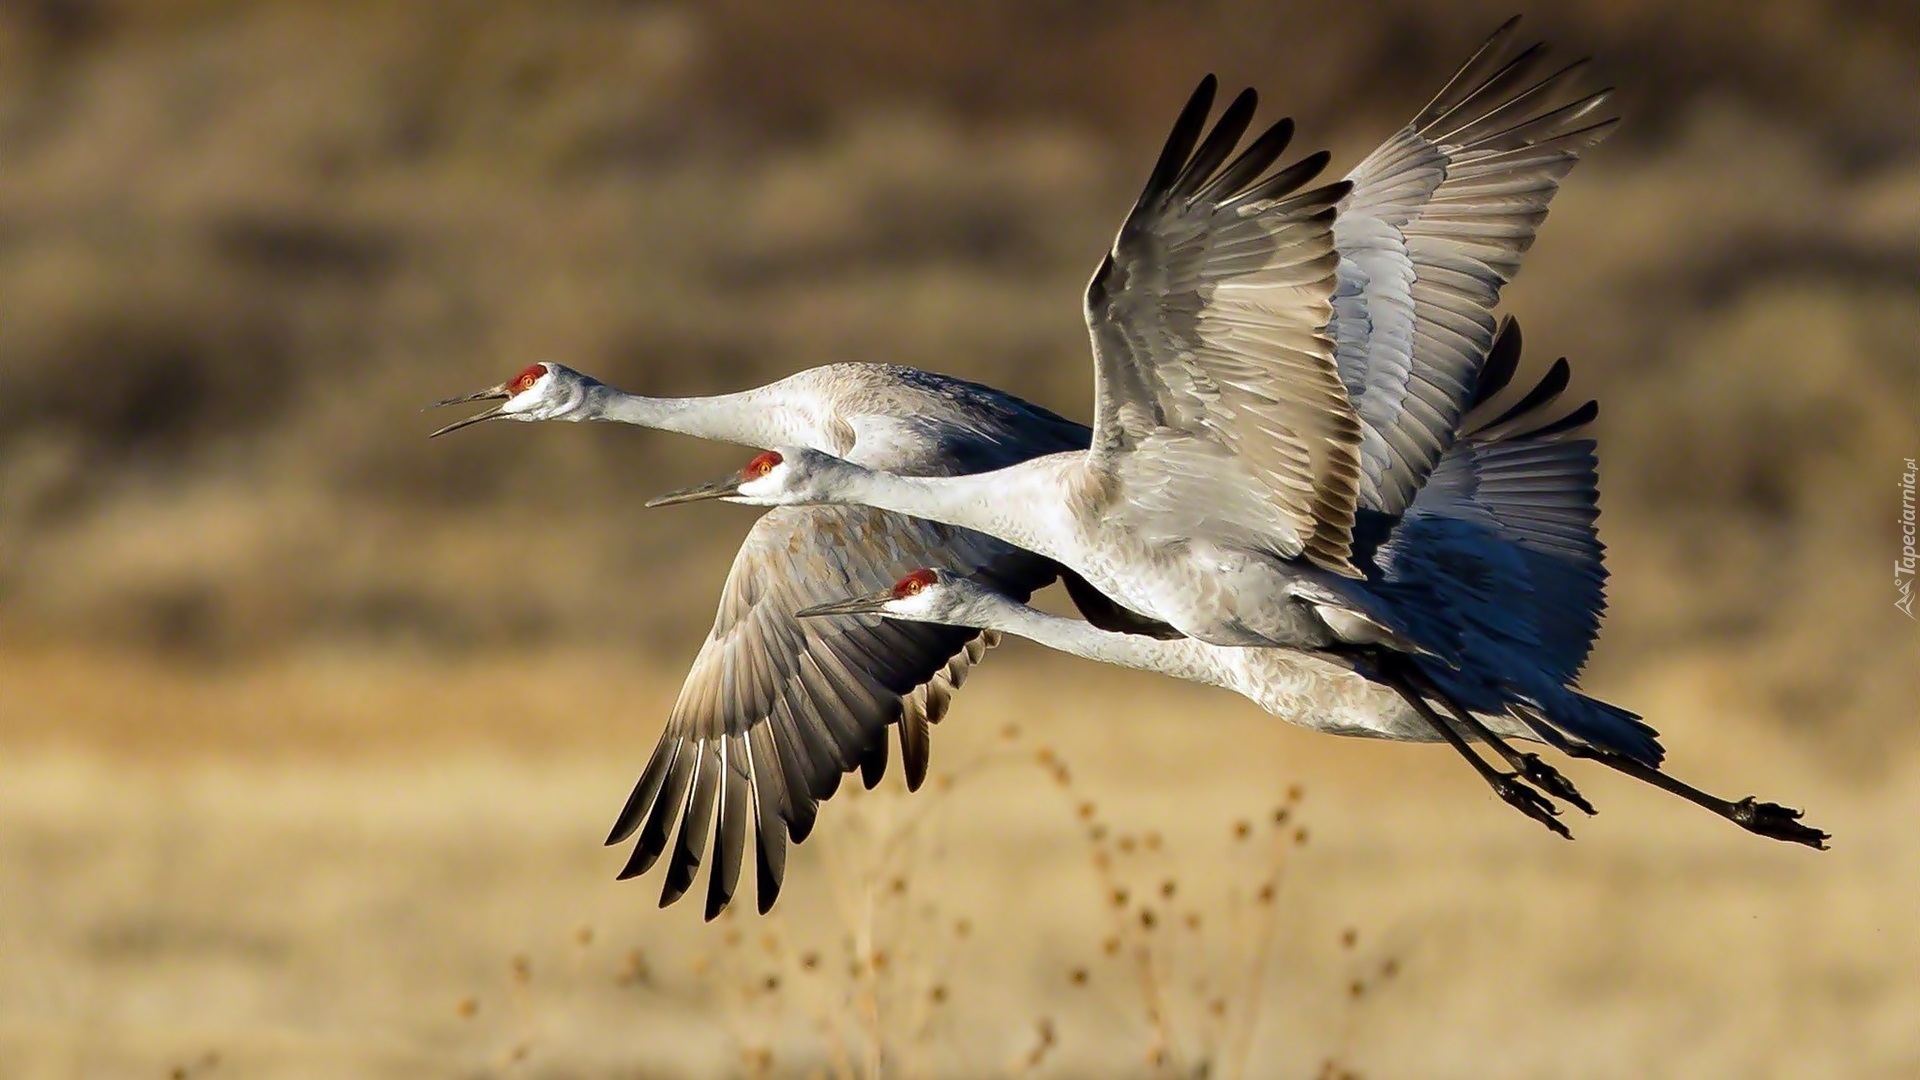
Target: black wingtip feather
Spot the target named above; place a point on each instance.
(1573, 421)
(1543, 394)
(730, 831)
(666, 810)
(1496, 85)
(1254, 160)
(873, 763)
(800, 825)
(1554, 126)
(1180, 141)
(1503, 360)
(1516, 102)
(916, 747)
(695, 826)
(1467, 74)
(1218, 145)
(1289, 179)
(769, 862)
(645, 790)
(766, 895)
(632, 869)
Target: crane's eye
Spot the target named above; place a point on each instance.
(761, 465)
(524, 381)
(913, 583)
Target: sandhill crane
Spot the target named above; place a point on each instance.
(1228, 460)
(1434, 225)
(1520, 503)
(1219, 492)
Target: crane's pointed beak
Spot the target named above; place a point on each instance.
(870, 604)
(717, 489)
(492, 393)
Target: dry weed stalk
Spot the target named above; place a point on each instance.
(877, 1010)
(871, 985)
(1199, 960)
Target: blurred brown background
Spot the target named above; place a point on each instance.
(310, 727)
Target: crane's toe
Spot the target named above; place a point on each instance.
(1777, 822)
(1553, 782)
(1531, 803)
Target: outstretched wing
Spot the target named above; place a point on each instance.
(777, 708)
(1435, 225)
(1215, 385)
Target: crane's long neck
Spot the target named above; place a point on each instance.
(1182, 658)
(1027, 505)
(748, 418)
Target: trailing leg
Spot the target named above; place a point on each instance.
(1762, 818)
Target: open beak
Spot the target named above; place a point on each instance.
(870, 604)
(717, 489)
(492, 393)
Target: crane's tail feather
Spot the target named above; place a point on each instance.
(1574, 721)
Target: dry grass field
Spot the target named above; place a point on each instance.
(309, 728)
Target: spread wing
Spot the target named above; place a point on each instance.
(1435, 225)
(777, 708)
(1216, 394)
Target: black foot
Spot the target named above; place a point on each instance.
(1530, 802)
(1776, 822)
(1548, 779)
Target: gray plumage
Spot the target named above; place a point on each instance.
(775, 709)
(1214, 382)
(1212, 313)
(1503, 543)
(1501, 547)
(788, 706)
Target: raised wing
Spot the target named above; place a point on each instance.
(1435, 225)
(777, 709)
(1216, 393)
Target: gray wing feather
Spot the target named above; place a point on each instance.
(776, 709)
(1215, 380)
(1435, 225)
